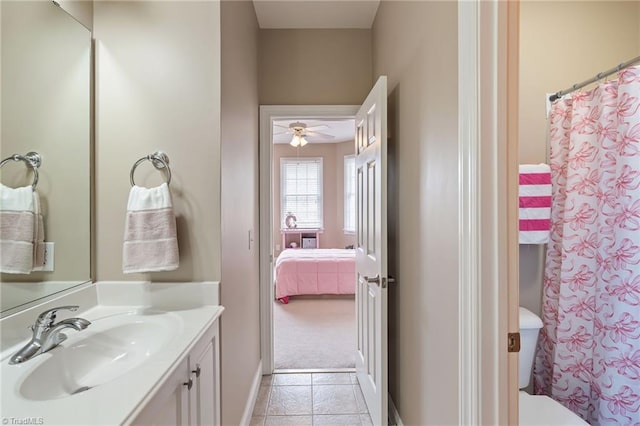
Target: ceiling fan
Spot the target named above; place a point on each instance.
(301, 132)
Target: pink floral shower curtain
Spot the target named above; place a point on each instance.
(589, 352)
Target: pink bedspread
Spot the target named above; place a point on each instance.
(315, 271)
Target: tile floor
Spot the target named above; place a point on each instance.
(310, 399)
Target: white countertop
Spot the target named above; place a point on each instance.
(115, 401)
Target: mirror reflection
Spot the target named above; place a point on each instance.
(45, 108)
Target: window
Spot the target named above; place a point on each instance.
(301, 191)
(350, 193)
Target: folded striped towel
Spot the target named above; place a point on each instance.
(150, 239)
(535, 203)
(17, 229)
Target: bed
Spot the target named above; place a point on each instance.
(315, 271)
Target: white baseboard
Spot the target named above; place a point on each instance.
(253, 395)
(394, 416)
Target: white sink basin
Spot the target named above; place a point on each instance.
(109, 348)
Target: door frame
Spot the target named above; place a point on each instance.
(488, 159)
(269, 113)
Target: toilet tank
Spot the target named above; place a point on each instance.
(530, 325)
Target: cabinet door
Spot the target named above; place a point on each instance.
(203, 392)
(204, 398)
(170, 405)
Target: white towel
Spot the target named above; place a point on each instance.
(150, 239)
(535, 203)
(17, 229)
(38, 234)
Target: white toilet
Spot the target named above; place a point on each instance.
(537, 409)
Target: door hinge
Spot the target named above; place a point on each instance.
(513, 342)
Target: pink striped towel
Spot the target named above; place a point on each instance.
(535, 203)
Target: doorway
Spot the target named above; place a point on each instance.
(310, 328)
(361, 270)
(313, 229)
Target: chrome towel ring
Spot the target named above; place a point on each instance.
(31, 159)
(160, 161)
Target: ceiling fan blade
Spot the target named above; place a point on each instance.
(325, 135)
(283, 127)
(317, 126)
(314, 138)
(281, 133)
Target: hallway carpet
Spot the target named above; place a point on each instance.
(315, 332)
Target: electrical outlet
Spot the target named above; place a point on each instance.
(277, 247)
(48, 257)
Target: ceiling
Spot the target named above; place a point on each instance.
(316, 14)
(341, 130)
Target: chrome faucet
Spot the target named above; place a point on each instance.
(47, 334)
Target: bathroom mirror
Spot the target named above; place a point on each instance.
(45, 107)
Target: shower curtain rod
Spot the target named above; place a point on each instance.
(599, 76)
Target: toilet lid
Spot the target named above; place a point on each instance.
(540, 410)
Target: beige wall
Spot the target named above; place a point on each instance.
(46, 69)
(158, 88)
(240, 281)
(314, 67)
(562, 43)
(332, 190)
(423, 205)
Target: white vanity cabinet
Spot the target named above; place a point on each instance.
(170, 406)
(190, 395)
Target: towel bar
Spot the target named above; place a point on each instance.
(160, 161)
(31, 159)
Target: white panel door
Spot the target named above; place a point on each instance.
(371, 251)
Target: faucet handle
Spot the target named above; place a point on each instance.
(49, 316)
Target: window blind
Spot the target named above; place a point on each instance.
(301, 191)
(349, 193)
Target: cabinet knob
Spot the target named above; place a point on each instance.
(189, 384)
(197, 371)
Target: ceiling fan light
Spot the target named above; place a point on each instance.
(303, 141)
(295, 141)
